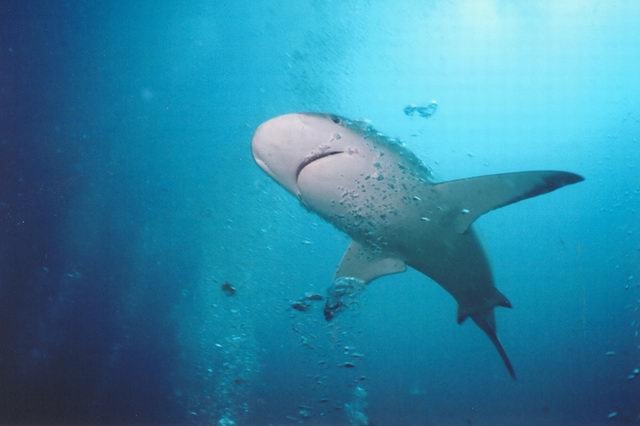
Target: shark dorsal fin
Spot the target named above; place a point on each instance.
(367, 264)
(476, 196)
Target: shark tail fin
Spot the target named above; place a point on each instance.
(486, 321)
(476, 196)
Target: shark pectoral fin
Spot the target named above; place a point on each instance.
(359, 265)
(477, 196)
(366, 264)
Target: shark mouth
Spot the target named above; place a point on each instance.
(314, 157)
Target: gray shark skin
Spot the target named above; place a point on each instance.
(380, 194)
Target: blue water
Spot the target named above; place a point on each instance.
(128, 196)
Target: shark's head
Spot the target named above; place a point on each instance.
(283, 146)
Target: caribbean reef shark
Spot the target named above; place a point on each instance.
(380, 194)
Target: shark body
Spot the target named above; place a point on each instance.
(380, 194)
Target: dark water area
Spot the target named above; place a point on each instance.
(129, 196)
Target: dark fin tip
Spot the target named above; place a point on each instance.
(555, 181)
(576, 178)
(503, 301)
(565, 178)
(461, 317)
(506, 303)
(550, 183)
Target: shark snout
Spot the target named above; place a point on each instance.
(260, 142)
(264, 142)
(272, 136)
(278, 146)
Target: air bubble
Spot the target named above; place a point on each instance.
(424, 111)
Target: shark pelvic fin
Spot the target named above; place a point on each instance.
(367, 264)
(476, 196)
(498, 299)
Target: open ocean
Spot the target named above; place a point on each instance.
(149, 269)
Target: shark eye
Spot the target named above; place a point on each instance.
(335, 119)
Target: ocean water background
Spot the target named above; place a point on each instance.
(128, 195)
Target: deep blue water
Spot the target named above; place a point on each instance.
(128, 195)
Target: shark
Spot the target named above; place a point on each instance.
(379, 193)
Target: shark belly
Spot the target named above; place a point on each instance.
(396, 213)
